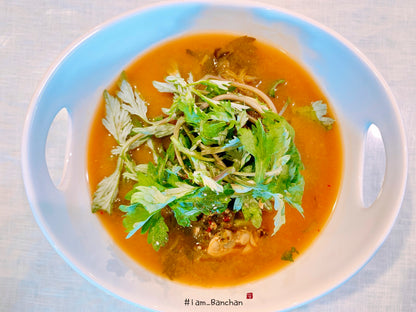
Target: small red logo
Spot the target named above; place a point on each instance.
(249, 295)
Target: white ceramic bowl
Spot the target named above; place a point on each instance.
(356, 91)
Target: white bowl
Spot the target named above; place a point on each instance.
(358, 94)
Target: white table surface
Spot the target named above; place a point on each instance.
(33, 34)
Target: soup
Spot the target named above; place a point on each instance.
(242, 230)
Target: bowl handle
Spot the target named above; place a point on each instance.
(388, 201)
(395, 173)
(36, 175)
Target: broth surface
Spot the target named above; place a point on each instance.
(319, 148)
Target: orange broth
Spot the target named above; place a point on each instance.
(320, 150)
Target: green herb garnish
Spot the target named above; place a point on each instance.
(288, 254)
(228, 149)
(316, 112)
(272, 91)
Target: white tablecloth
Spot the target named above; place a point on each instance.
(33, 34)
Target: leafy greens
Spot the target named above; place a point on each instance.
(316, 112)
(227, 149)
